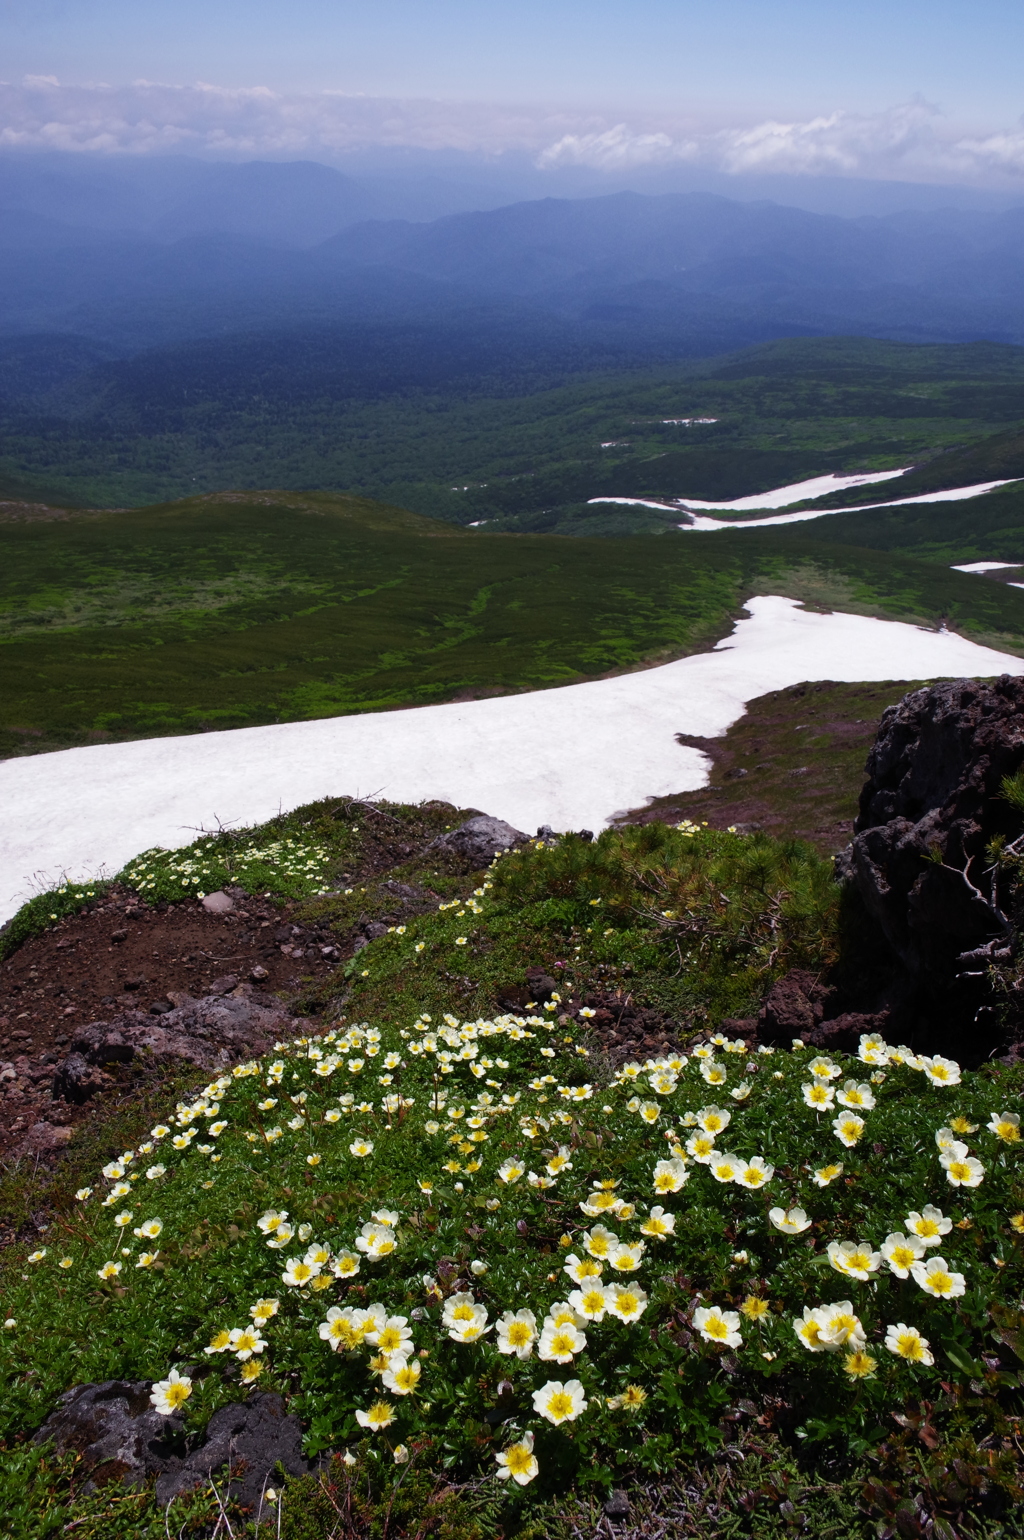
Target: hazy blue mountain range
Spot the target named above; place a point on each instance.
(156, 253)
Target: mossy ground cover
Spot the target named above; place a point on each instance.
(243, 609)
(431, 1177)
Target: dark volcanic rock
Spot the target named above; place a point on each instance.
(250, 1439)
(480, 839)
(930, 807)
(119, 1435)
(793, 1008)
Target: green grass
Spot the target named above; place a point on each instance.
(241, 609)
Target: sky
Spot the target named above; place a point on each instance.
(910, 88)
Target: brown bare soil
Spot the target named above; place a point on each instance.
(126, 956)
(793, 765)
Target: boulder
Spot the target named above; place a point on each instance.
(120, 1436)
(113, 1427)
(479, 840)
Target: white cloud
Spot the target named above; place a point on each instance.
(910, 142)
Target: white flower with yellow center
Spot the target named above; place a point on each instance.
(600, 1242)
(146, 1259)
(907, 1342)
(792, 1221)
(271, 1220)
(930, 1225)
(860, 1097)
(626, 1258)
(516, 1333)
(360, 1148)
(822, 1068)
(559, 1162)
(945, 1138)
(627, 1301)
(598, 1203)
(824, 1175)
(264, 1310)
(376, 1241)
(590, 1301)
(170, 1394)
(848, 1129)
(713, 1073)
(245, 1341)
(713, 1120)
(1005, 1126)
(343, 1329)
(402, 1376)
(874, 1049)
(754, 1173)
(345, 1264)
(854, 1259)
(941, 1071)
(518, 1461)
(658, 1224)
(808, 1328)
(936, 1278)
(719, 1326)
(819, 1095)
(901, 1252)
(149, 1229)
(380, 1416)
(670, 1175)
(560, 1401)
(560, 1341)
(511, 1171)
(298, 1273)
(841, 1327)
(466, 1321)
(580, 1269)
(962, 1170)
(723, 1167)
(281, 1237)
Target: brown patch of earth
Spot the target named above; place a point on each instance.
(124, 956)
(793, 765)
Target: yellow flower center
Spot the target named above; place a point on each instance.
(177, 1393)
(715, 1327)
(519, 1334)
(940, 1283)
(909, 1346)
(390, 1339)
(560, 1405)
(518, 1459)
(960, 1170)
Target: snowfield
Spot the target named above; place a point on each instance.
(703, 523)
(570, 757)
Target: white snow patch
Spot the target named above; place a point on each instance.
(987, 566)
(796, 492)
(571, 757)
(701, 523)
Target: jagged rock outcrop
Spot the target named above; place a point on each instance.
(929, 809)
(928, 813)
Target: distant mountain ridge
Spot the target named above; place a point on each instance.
(667, 276)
